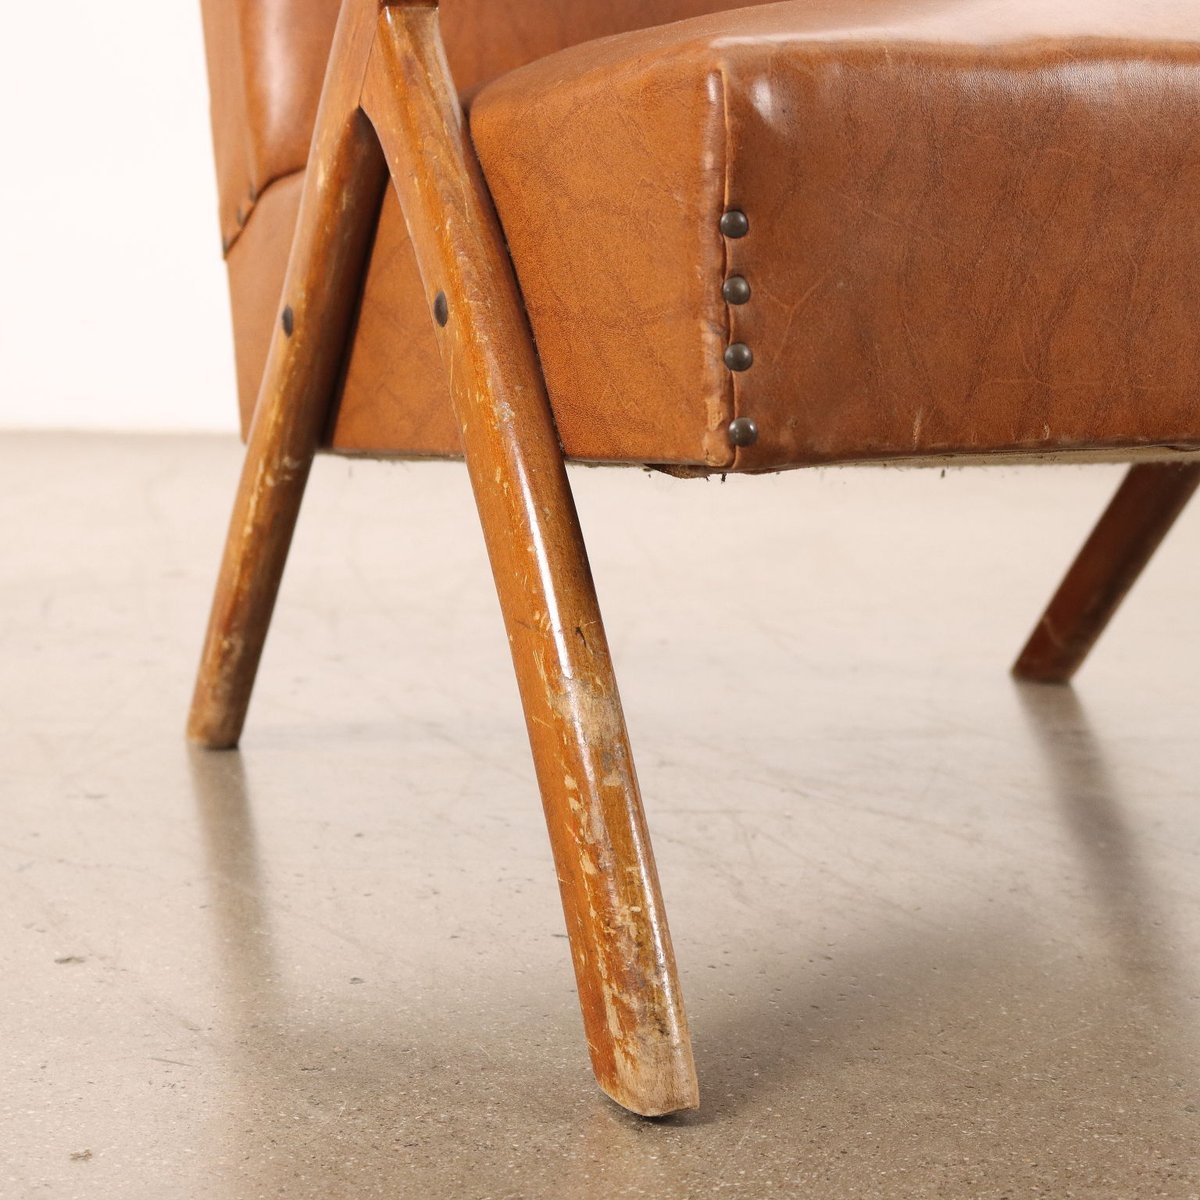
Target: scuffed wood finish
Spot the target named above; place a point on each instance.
(333, 235)
(388, 60)
(624, 964)
(1149, 499)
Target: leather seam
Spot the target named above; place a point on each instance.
(259, 193)
(726, 408)
(240, 207)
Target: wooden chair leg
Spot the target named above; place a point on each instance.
(333, 236)
(1149, 499)
(633, 1013)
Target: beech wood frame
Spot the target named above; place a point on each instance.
(389, 106)
(389, 111)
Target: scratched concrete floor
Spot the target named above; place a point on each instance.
(939, 935)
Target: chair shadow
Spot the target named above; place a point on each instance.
(1089, 800)
(746, 1053)
(366, 1079)
(794, 1029)
(249, 964)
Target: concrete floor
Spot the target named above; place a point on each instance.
(939, 934)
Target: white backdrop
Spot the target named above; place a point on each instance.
(113, 311)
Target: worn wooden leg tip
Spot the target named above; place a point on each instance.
(207, 740)
(1043, 678)
(1040, 663)
(655, 1086)
(212, 730)
(1049, 679)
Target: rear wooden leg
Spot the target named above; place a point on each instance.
(1149, 499)
(333, 234)
(624, 965)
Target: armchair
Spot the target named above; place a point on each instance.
(705, 239)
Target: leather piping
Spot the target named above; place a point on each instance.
(717, 449)
(251, 203)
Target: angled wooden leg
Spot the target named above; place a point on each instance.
(624, 965)
(1149, 499)
(334, 230)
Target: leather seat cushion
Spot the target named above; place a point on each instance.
(972, 229)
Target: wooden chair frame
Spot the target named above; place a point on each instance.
(389, 109)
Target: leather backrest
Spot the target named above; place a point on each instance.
(266, 62)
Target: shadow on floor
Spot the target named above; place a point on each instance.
(909, 1045)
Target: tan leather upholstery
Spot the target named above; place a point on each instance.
(972, 228)
(972, 231)
(394, 399)
(266, 63)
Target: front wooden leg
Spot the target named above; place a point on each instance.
(333, 235)
(1149, 499)
(624, 965)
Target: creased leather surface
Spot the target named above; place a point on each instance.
(257, 263)
(395, 395)
(266, 63)
(622, 274)
(973, 226)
